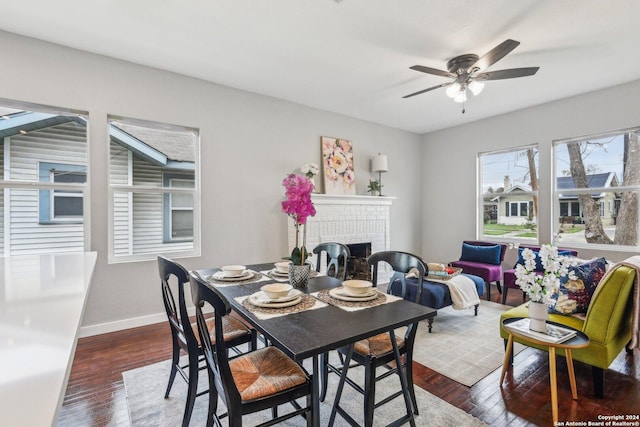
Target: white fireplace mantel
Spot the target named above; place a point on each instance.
(348, 220)
(338, 199)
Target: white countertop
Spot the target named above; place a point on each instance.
(42, 299)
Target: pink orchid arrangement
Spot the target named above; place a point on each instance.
(298, 205)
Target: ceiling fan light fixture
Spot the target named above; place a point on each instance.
(453, 90)
(461, 96)
(476, 87)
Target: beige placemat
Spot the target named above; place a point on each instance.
(382, 298)
(269, 273)
(308, 303)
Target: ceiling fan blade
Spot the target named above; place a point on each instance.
(435, 71)
(495, 54)
(511, 73)
(427, 90)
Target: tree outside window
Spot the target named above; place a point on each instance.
(597, 184)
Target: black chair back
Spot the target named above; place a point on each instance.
(401, 263)
(336, 252)
(215, 354)
(181, 331)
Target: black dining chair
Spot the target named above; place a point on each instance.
(249, 382)
(384, 348)
(337, 258)
(337, 255)
(183, 337)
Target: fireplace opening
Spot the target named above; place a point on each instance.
(357, 267)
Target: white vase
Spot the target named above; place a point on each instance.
(538, 315)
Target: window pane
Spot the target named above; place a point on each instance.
(182, 224)
(509, 184)
(67, 206)
(33, 138)
(602, 163)
(153, 157)
(69, 177)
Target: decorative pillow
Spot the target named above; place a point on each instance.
(482, 254)
(539, 266)
(575, 295)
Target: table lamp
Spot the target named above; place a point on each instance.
(379, 164)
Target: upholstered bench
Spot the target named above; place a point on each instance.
(436, 294)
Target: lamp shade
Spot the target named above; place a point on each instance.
(379, 163)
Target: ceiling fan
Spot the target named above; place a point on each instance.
(467, 72)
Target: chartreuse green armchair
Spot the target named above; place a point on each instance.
(607, 323)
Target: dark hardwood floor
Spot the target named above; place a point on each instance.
(95, 394)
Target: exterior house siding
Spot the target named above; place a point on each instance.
(145, 233)
(64, 143)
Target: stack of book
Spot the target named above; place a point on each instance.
(554, 334)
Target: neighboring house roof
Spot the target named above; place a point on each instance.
(175, 145)
(564, 183)
(596, 180)
(30, 121)
(164, 147)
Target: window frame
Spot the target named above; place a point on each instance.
(46, 197)
(8, 185)
(481, 196)
(168, 208)
(160, 190)
(555, 214)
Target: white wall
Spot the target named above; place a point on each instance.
(248, 143)
(449, 211)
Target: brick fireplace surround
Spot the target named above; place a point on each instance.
(348, 220)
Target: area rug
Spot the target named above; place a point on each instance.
(463, 347)
(147, 406)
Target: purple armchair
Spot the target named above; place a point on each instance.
(510, 275)
(483, 259)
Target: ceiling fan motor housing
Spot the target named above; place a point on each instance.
(460, 64)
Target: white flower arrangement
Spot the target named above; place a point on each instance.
(310, 170)
(540, 286)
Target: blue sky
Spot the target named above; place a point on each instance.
(601, 155)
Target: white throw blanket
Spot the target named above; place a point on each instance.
(464, 293)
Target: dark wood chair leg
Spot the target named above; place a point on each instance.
(175, 359)
(499, 286)
(488, 293)
(192, 389)
(412, 391)
(504, 295)
(475, 309)
(369, 394)
(598, 381)
(430, 323)
(324, 373)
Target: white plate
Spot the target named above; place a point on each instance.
(221, 276)
(279, 273)
(259, 302)
(341, 294)
(264, 298)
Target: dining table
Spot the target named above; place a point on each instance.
(317, 327)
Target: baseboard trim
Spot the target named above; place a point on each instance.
(119, 325)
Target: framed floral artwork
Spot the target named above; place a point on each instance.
(337, 166)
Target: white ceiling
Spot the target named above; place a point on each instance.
(353, 56)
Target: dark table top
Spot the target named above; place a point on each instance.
(312, 332)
